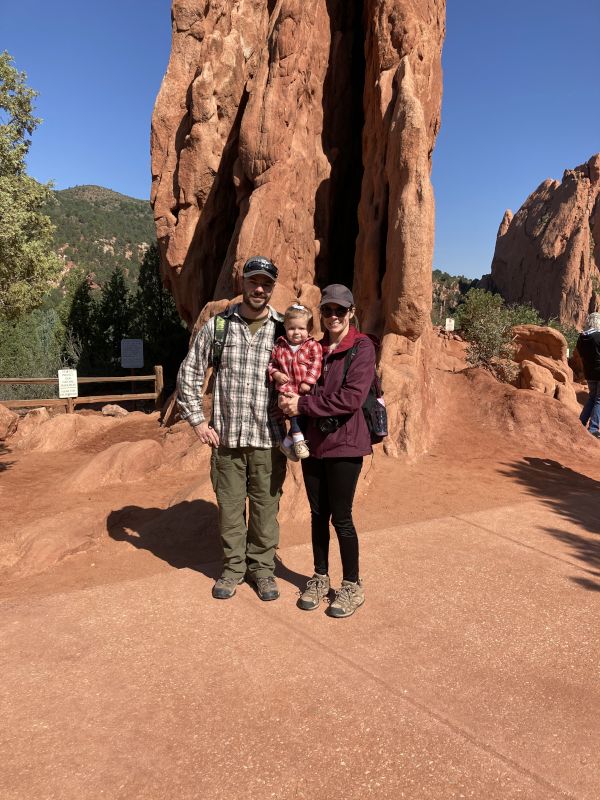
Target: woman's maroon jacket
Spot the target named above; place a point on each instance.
(330, 399)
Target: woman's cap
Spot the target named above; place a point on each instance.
(259, 265)
(337, 293)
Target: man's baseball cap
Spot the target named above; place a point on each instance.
(337, 293)
(259, 265)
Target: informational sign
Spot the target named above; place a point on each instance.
(67, 383)
(132, 353)
(449, 324)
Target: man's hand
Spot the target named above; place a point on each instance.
(206, 434)
(288, 403)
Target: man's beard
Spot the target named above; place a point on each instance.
(256, 303)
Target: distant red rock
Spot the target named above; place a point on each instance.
(548, 254)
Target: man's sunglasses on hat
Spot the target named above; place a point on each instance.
(260, 266)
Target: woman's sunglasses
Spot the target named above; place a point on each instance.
(334, 311)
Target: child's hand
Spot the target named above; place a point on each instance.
(304, 387)
(280, 378)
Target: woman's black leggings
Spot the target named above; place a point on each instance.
(330, 485)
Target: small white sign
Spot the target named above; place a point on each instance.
(449, 324)
(67, 383)
(132, 353)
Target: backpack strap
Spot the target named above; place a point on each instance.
(376, 383)
(348, 360)
(220, 336)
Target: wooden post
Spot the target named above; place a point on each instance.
(132, 373)
(70, 405)
(158, 385)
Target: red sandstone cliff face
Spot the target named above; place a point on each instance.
(548, 254)
(303, 130)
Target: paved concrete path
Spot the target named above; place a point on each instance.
(472, 671)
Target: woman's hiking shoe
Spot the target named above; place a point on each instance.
(266, 587)
(316, 590)
(225, 587)
(348, 598)
(301, 449)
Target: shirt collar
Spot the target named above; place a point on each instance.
(234, 310)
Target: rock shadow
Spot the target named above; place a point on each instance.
(4, 451)
(572, 496)
(185, 535)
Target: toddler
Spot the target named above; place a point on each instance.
(295, 367)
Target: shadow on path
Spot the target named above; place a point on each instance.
(574, 497)
(184, 535)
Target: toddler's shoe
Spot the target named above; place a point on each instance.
(288, 452)
(301, 449)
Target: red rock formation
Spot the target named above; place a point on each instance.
(303, 130)
(541, 353)
(548, 254)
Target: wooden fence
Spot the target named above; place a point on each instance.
(71, 402)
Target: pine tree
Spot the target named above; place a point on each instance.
(113, 321)
(27, 263)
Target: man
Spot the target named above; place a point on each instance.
(246, 461)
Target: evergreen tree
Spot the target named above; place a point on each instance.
(157, 321)
(112, 322)
(27, 263)
(81, 324)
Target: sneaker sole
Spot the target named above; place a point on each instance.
(342, 615)
(307, 608)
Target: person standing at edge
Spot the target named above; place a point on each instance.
(246, 462)
(588, 346)
(338, 439)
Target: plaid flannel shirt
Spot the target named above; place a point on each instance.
(303, 366)
(245, 412)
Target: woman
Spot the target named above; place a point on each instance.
(588, 346)
(338, 439)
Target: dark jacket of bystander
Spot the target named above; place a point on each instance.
(588, 346)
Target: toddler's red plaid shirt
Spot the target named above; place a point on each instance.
(303, 366)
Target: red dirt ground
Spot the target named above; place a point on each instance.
(495, 535)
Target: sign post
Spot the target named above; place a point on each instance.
(67, 387)
(132, 353)
(449, 324)
(132, 357)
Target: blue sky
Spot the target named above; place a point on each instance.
(521, 102)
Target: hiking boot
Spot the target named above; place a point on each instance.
(225, 587)
(301, 449)
(288, 452)
(266, 587)
(317, 588)
(347, 599)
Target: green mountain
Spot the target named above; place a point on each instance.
(98, 229)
